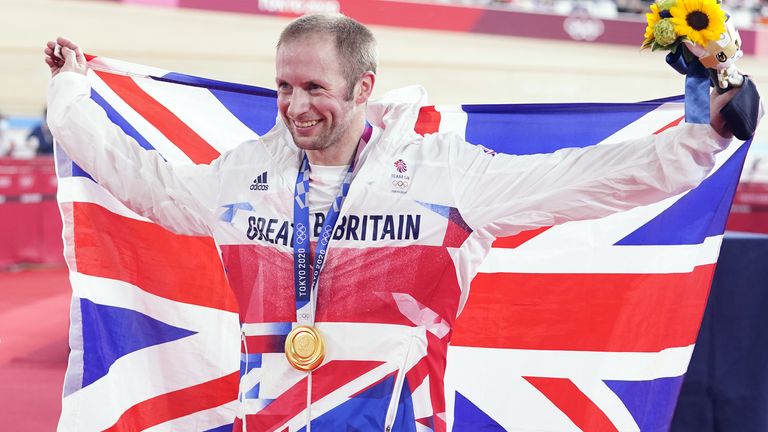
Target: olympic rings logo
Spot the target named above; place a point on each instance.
(326, 237)
(301, 233)
(401, 184)
(583, 27)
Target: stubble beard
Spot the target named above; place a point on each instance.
(323, 141)
(327, 138)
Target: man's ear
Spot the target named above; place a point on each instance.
(365, 87)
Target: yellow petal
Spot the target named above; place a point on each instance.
(696, 38)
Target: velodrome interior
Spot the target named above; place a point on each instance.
(454, 67)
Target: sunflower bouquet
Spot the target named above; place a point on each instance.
(696, 29)
(671, 22)
(703, 45)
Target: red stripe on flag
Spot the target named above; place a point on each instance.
(265, 344)
(672, 124)
(428, 121)
(181, 268)
(181, 135)
(585, 312)
(326, 379)
(516, 240)
(417, 373)
(179, 403)
(573, 403)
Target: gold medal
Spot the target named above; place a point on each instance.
(304, 348)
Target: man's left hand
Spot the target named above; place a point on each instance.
(717, 103)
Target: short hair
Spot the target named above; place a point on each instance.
(355, 43)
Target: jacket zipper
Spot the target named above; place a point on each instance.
(241, 395)
(397, 390)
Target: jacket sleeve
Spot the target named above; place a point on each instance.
(507, 194)
(140, 179)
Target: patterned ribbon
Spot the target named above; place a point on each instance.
(306, 288)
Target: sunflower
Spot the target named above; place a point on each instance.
(652, 18)
(701, 21)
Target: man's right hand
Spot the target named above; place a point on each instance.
(69, 59)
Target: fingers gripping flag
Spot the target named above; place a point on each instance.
(583, 326)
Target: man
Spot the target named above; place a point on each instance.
(358, 339)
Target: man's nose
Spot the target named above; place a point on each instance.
(298, 104)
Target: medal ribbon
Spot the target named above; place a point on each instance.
(306, 285)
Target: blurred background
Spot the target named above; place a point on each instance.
(462, 51)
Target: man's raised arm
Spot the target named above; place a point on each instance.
(507, 194)
(140, 179)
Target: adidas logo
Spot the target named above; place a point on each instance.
(260, 184)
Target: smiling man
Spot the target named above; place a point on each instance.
(324, 79)
(355, 255)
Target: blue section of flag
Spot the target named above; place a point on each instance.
(255, 107)
(211, 84)
(405, 419)
(544, 128)
(697, 215)
(120, 121)
(651, 403)
(79, 172)
(257, 112)
(467, 416)
(111, 332)
(222, 428)
(365, 412)
(248, 362)
(280, 328)
(676, 98)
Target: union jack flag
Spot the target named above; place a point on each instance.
(583, 326)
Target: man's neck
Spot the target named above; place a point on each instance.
(336, 155)
(339, 153)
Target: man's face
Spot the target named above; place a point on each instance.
(312, 93)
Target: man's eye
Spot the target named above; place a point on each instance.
(284, 88)
(315, 87)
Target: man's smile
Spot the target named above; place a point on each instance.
(305, 124)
